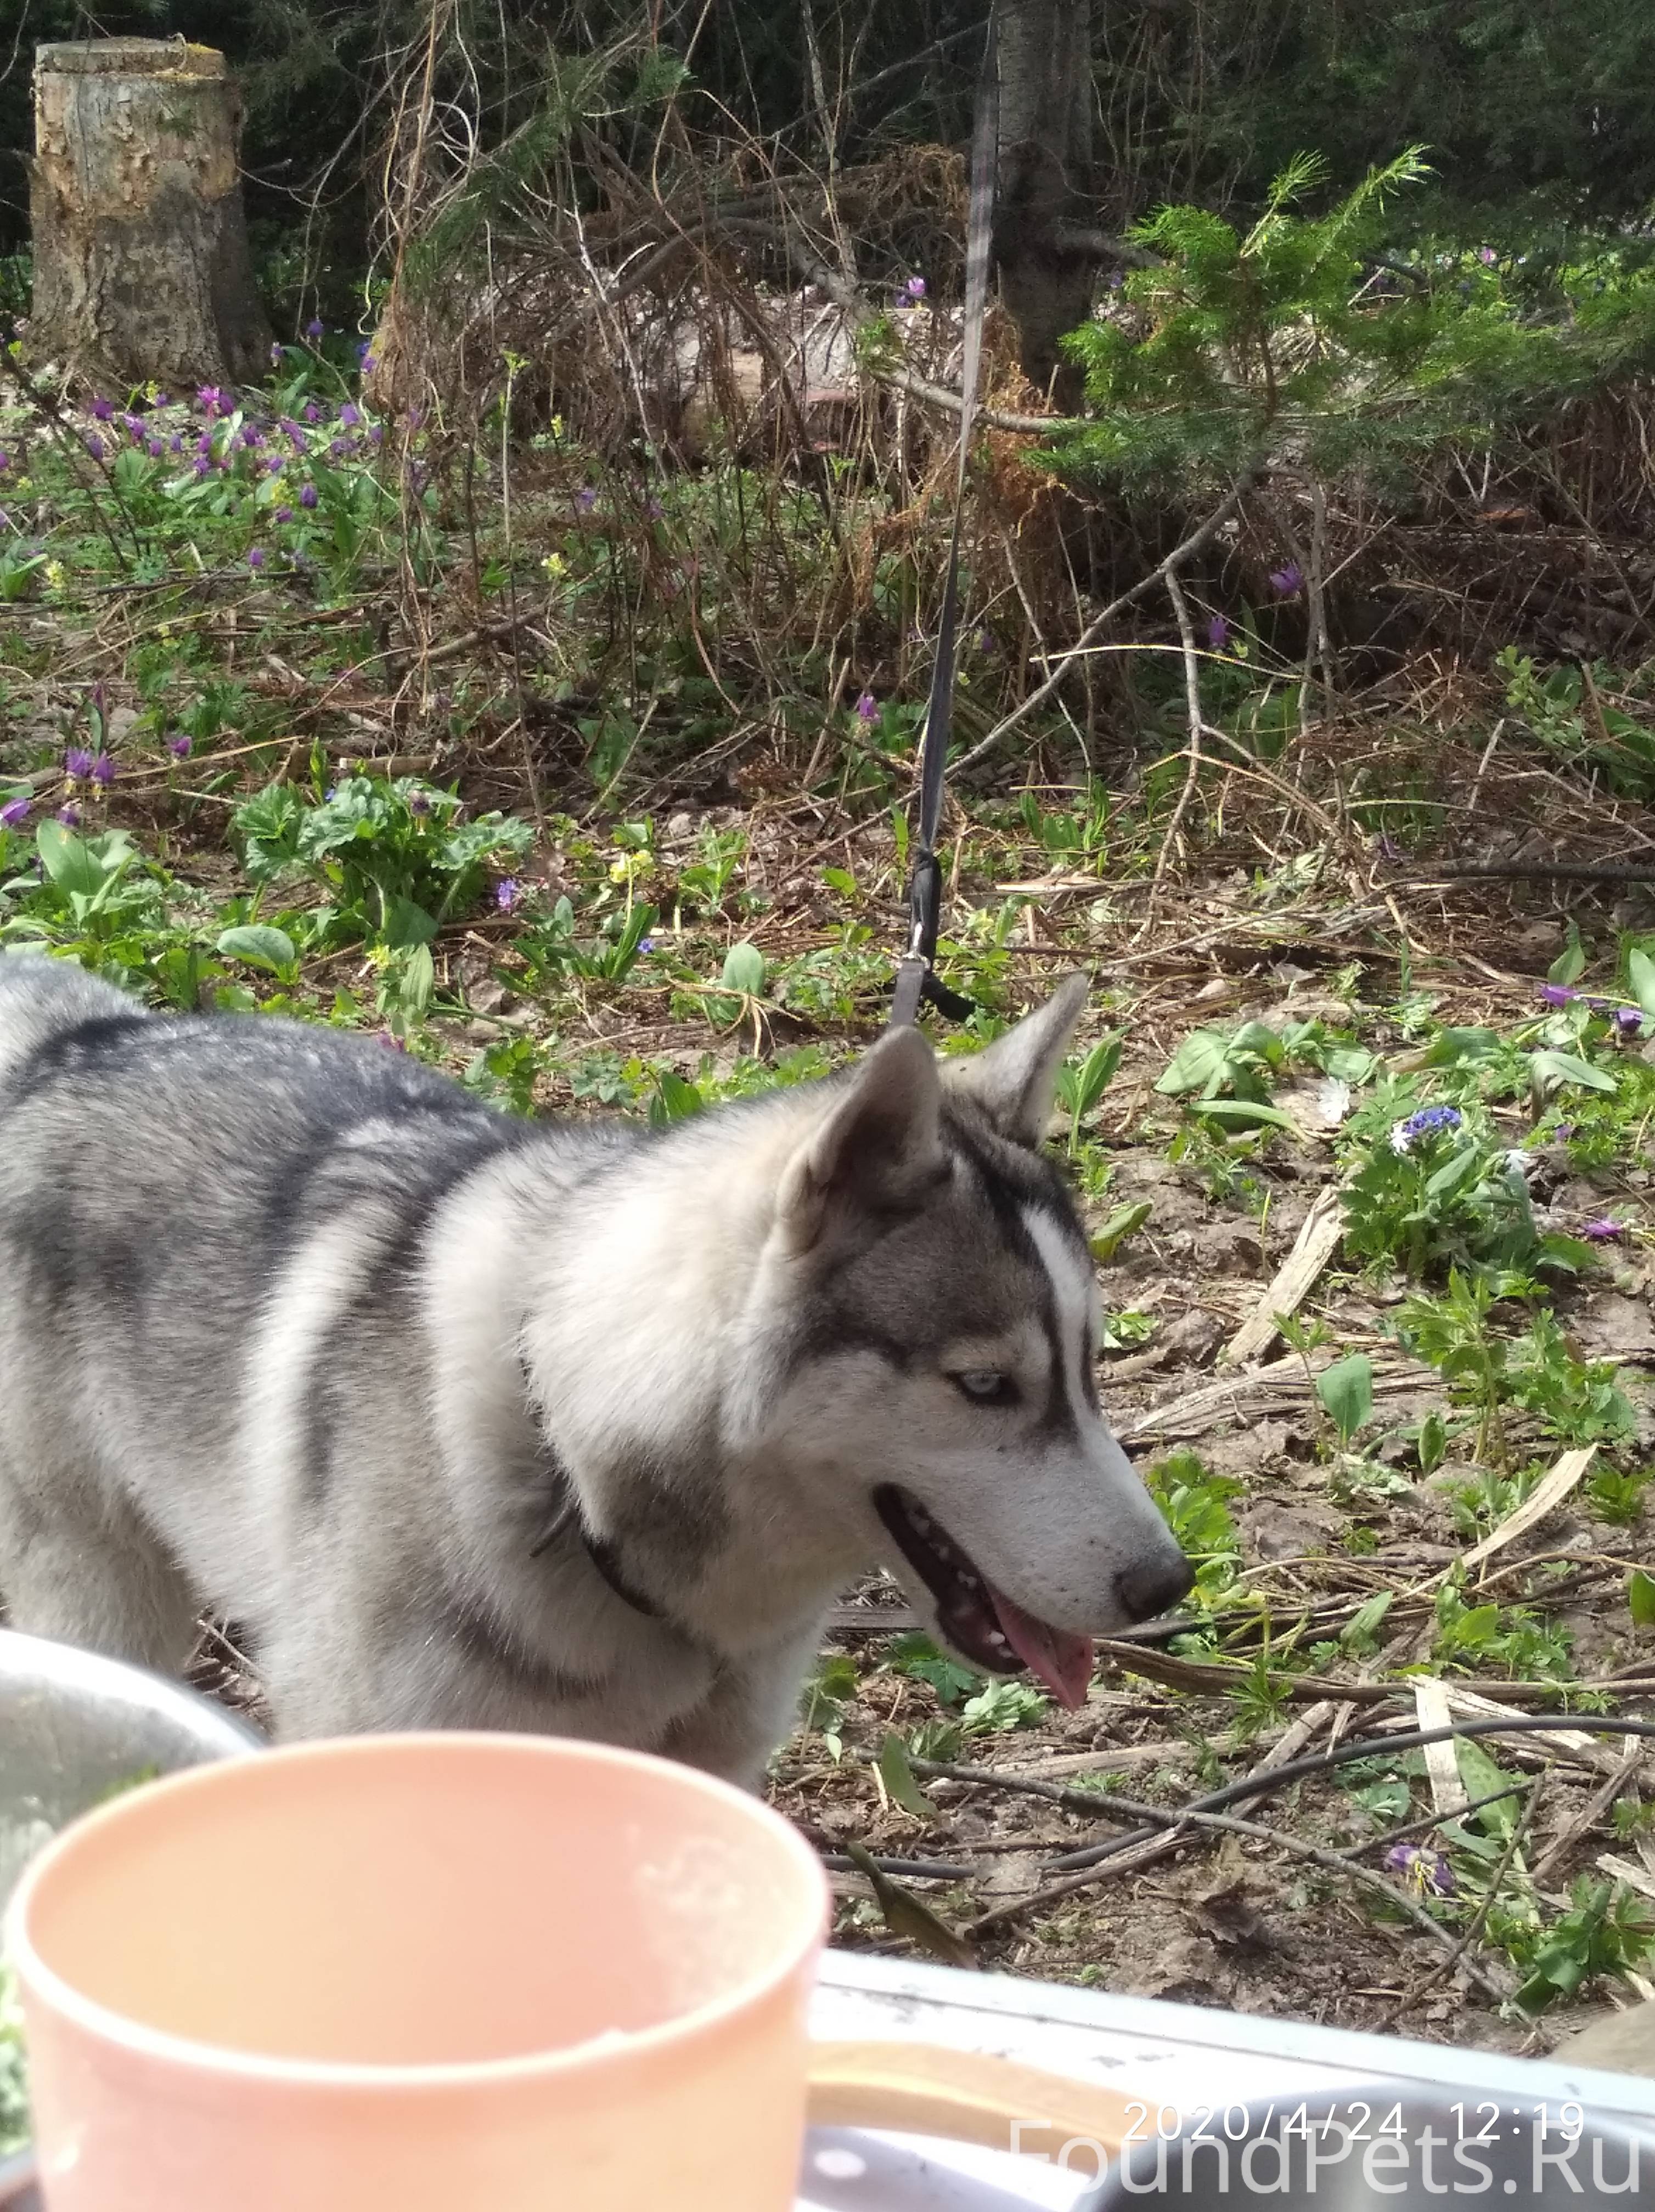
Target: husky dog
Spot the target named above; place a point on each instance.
(476, 1422)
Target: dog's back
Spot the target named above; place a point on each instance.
(173, 1189)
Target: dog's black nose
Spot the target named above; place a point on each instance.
(1149, 1591)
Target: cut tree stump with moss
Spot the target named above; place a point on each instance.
(141, 269)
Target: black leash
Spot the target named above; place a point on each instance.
(916, 979)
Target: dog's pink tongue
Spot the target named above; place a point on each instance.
(1062, 1662)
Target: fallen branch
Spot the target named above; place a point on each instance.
(1197, 542)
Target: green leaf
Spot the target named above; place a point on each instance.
(406, 923)
(675, 1100)
(1552, 1071)
(1081, 1084)
(1459, 1168)
(68, 860)
(1640, 1598)
(1360, 1632)
(1246, 1112)
(1433, 1442)
(898, 1776)
(1196, 1062)
(1640, 973)
(905, 1915)
(261, 944)
(1571, 963)
(1346, 1390)
(1481, 1777)
(1125, 1221)
(744, 970)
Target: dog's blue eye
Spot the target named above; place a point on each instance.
(985, 1385)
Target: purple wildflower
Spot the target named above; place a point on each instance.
(645, 944)
(77, 764)
(276, 353)
(14, 813)
(313, 328)
(1218, 633)
(180, 744)
(1627, 1021)
(368, 364)
(103, 771)
(94, 446)
(70, 815)
(338, 449)
(211, 400)
(307, 496)
(1424, 1869)
(395, 1042)
(416, 416)
(1555, 994)
(350, 416)
(1288, 580)
(419, 802)
(586, 498)
(311, 411)
(505, 894)
(1603, 1231)
(201, 466)
(376, 435)
(103, 411)
(284, 515)
(1487, 255)
(256, 557)
(867, 708)
(5, 461)
(915, 291)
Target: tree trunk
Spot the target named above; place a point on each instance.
(1045, 153)
(141, 262)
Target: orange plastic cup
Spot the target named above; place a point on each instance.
(421, 1973)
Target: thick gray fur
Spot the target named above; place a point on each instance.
(296, 1330)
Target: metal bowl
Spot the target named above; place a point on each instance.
(75, 1727)
(1370, 2150)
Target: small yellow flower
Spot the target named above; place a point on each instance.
(57, 575)
(554, 566)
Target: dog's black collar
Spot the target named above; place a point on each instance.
(603, 1554)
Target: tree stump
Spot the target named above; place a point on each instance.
(141, 262)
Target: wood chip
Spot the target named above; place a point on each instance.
(1548, 1495)
(1432, 1710)
(1636, 1877)
(1317, 1243)
(1571, 1743)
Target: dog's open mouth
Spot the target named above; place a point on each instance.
(991, 1631)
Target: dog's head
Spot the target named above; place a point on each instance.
(940, 1383)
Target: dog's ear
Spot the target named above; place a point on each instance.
(1014, 1079)
(879, 1146)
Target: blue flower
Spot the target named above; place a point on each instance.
(1288, 580)
(505, 894)
(14, 813)
(1429, 1122)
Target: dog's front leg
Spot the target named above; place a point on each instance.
(751, 1708)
